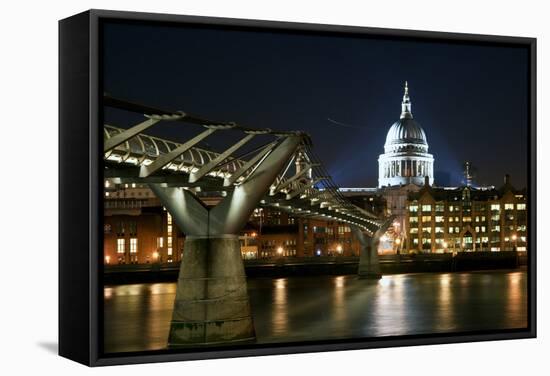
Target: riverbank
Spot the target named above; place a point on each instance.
(317, 266)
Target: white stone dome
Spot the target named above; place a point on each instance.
(406, 131)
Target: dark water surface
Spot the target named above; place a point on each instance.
(137, 317)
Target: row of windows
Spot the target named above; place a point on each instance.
(441, 207)
(285, 253)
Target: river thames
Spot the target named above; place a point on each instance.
(137, 316)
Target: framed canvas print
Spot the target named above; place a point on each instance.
(237, 187)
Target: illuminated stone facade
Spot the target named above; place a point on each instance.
(466, 219)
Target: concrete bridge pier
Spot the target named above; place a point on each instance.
(369, 263)
(211, 304)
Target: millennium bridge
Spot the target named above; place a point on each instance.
(280, 170)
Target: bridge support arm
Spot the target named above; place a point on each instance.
(231, 215)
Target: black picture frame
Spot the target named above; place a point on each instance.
(80, 190)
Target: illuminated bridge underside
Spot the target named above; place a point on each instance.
(211, 304)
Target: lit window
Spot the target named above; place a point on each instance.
(426, 218)
(495, 207)
(466, 219)
(439, 230)
(413, 208)
(413, 219)
(495, 217)
(133, 245)
(426, 208)
(439, 207)
(120, 245)
(415, 241)
(508, 206)
(160, 242)
(439, 218)
(414, 230)
(521, 206)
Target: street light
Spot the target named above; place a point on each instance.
(339, 248)
(445, 245)
(280, 250)
(107, 259)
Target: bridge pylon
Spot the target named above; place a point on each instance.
(212, 304)
(369, 263)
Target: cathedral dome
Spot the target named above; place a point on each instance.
(405, 159)
(406, 131)
(406, 134)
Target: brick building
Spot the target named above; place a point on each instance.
(138, 230)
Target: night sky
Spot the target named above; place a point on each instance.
(471, 100)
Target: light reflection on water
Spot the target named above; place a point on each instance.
(137, 317)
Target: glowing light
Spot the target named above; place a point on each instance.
(254, 234)
(514, 237)
(280, 250)
(397, 241)
(318, 252)
(339, 248)
(155, 255)
(107, 259)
